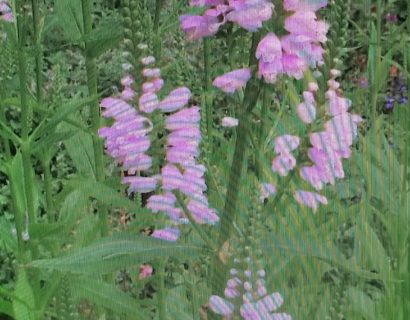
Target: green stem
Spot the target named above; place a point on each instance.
(239, 158)
(91, 68)
(6, 142)
(238, 167)
(262, 128)
(48, 190)
(161, 291)
(377, 60)
(26, 118)
(38, 50)
(157, 40)
(200, 232)
(19, 223)
(208, 98)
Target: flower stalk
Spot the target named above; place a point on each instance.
(91, 69)
(26, 119)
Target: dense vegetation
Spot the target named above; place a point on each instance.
(204, 159)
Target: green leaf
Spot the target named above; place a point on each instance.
(369, 251)
(6, 308)
(106, 36)
(115, 252)
(107, 296)
(24, 292)
(108, 195)
(80, 149)
(7, 239)
(51, 139)
(47, 125)
(70, 18)
(360, 305)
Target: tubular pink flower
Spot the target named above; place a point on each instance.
(5, 11)
(140, 184)
(153, 86)
(128, 94)
(286, 143)
(283, 164)
(337, 105)
(250, 14)
(232, 81)
(304, 5)
(221, 306)
(148, 60)
(203, 3)
(310, 199)
(145, 271)
(177, 99)
(201, 212)
(151, 72)
(148, 102)
(184, 119)
(293, 65)
(168, 234)
(307, 109)
(266, 190)
(229, 122)
(197, 27)
(269, 48)
(305, 23)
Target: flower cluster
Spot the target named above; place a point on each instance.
(397, 93)
(249, 14)
(290, 54)
(256, 304)
(293, 53)
(128, 141)
(5, 11)
(330, 146)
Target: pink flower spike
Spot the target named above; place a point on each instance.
(232, 81)
(177, 99)
(310, 199)
(167, 234)
(229, 122)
